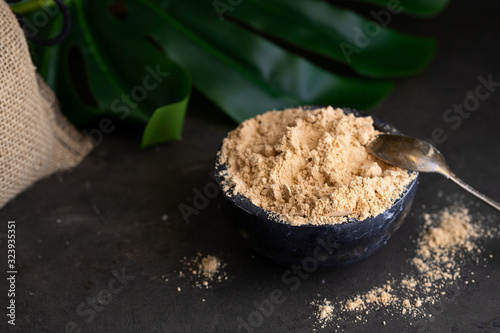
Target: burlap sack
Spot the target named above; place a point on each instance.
(35, 138)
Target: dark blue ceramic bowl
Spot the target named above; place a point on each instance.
(314, 246)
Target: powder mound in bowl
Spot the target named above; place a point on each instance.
(310, 167)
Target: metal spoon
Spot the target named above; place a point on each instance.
(418, 155)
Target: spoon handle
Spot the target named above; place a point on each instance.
(469, 189)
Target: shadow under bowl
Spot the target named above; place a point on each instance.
(315, 246)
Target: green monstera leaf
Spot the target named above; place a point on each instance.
(136, 60)
(341, 35)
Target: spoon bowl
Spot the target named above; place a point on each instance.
(407, 153)
(418, 155)
(314, 246)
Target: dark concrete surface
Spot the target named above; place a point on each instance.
(78, 230)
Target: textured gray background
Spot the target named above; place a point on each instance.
(106, 215)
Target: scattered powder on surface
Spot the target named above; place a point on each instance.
(324, 312)
(310, 166)
(406, 303)
(378, 295)
(454, 231)
(447, 238)
(209, 266)
(439, 244)
(205, 270)
(355, 304)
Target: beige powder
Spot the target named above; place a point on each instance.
(439, 244)
(445, 238)
(378, 295)
(324, 314)
(209, 266)
(310, 166)
(325, 310)
(454, 230)
(205, 269)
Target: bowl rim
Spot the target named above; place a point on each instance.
(244, 203)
